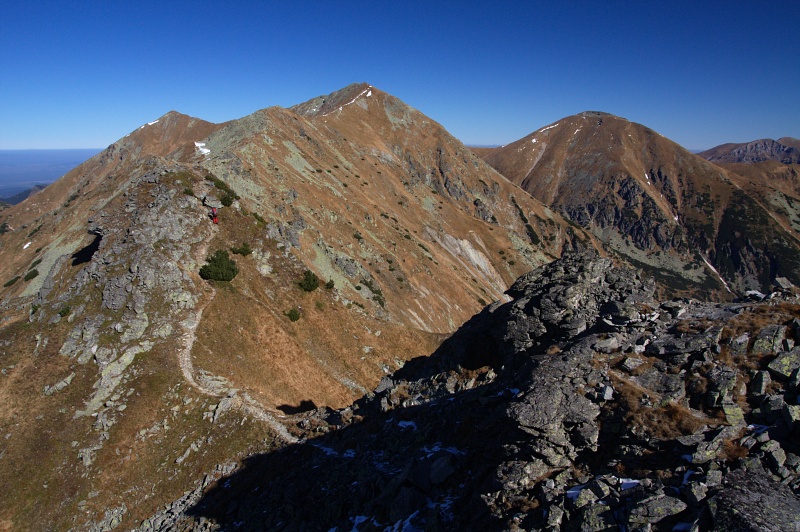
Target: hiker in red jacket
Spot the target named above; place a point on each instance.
(214, 215)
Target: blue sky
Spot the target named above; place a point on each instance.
(84, 74)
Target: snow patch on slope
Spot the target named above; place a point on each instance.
(367, 91)
(718, 275)
(201, 147)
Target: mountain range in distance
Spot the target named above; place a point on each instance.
(150, 351)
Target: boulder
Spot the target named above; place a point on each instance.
(751, 498)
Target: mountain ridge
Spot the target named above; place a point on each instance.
(785, 150)
(138, 375)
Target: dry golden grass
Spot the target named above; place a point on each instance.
(661, 422)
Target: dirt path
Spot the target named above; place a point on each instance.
(217, 386)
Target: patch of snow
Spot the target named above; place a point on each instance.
(676, 217)
(405, 525)
(628, 483)
(365, 91)
(687, 457)
(548, 127)
(407, 424)
(350, 453)
(686, 476)
(369, 94)
(26, 245)
(718, 275)
(201, 147)
(574, 491)
(576, 131)
(430, 451)
(153, 122)
(533, 141)
(358, 520)
(327, 450)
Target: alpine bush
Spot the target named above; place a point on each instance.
(244, 250)
(309, 282)
(219, 267)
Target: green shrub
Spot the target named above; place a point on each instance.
(293, 314)
(377, 294)
(219, 267)
(31, 274)
(320, 305)
(309, 282)
(227, 199)
(11, 281)
(329, 284)
(35, 264)
(259, 218)
(65, 310)
(244, 250)
(228, 195)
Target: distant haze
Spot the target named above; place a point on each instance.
(22, 169)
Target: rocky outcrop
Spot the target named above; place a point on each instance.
(753, 152)
(581, 404)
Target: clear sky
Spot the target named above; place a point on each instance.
(84, 74)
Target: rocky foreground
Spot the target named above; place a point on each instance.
(582, 404)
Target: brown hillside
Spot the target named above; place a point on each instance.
(126, 377)
(682, 218)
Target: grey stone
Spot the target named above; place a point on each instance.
(769, 340)
(751, 497)
(694, 492)
(631, 363)
(760, 382)
(785, 363)
(654, 509)
(60, 385)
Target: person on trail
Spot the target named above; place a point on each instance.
(214, 215)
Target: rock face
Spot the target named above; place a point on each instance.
(532, 416)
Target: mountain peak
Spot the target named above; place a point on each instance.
(326, 104)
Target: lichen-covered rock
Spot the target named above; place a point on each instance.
(655, 509)
(786, 363)
(751, 500)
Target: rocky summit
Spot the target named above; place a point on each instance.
(581, 404)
